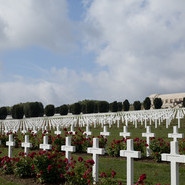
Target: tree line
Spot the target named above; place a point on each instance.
(36, 109)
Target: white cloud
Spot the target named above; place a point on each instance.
(140, 43)
(59, 87)
(36, 22)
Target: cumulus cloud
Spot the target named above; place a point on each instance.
(36, 22)
(60, 86)
(140, 43)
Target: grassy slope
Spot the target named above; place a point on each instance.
(156, 172)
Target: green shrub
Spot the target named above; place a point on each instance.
(157, 147)
(147, 103)
(126, 105)
(63, 110)
(76, 108)
(158, 103)
(23, 168)
(103, 106)
(17, 111)
(3, 113)
(49, 110)
(137, 105)
(114, 106)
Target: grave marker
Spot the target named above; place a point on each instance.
(130, 154)
(68, 148)
(125, 134)
(95, 150)
(174, 158)
(26, 144)
(148, 134)
(10, 144)
(175, 135)
(45, 145)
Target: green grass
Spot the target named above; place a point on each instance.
(5, 182)
(155, 172)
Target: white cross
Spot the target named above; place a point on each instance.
(58, 132)
(95, 150)
(24, 130)
(145, 118)
(105, 133)
(10, 144)
(87, 132)
(125, 134)
(175, 135)
(34, 130)
(68, 148)
(72, 130)
(130, 154)
(14, 130)
(26, 144)
(175, 159)
(45, 130)
(178, 117)
(117, 119)
(6, 131)
(45, 145)
(148, 134)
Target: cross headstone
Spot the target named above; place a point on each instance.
(87, 131)
(68, 148)
(125, 134)
(105, 133)
(175, 135)
(10, 144)
(95, 150)
(26, 144)
(6, 131)
(45, 130)
(175, 159)
(148, 134)
(72, 129)
(130, 154)
(34, 130)
(58, 132)
(24, 131)
(45, 145)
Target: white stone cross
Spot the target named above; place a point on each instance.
(45, 145)
(125, 134)
(24, 131)
(148, 135)
(175, 135)
(87, 132)
(34, 130)
(178, 116)
(10, 144)
(95, 150)
(105, 133)
(45, 130)
(58, 132)
(175, 159)
(68, 148)
(14, 130)
(130, 154)
(6, 131)
(26, 145)
(72, 129)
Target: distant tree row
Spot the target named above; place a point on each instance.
(36, 109)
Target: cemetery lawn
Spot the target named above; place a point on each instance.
(155, 172)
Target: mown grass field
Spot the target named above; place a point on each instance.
(155, 172)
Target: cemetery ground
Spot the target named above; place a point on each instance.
(156, 172)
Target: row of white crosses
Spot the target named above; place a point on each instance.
(173, 157)
(101, 118)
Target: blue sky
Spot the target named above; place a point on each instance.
(64, 51)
